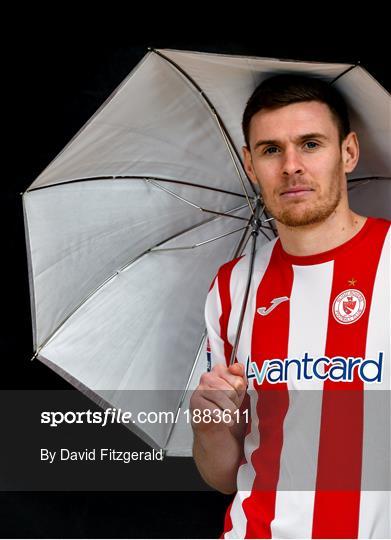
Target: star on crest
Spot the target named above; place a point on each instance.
(352, 282)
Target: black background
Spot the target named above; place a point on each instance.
(54, 82)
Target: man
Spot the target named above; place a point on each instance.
(310, 457)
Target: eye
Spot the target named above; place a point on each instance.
(311, 145)
(271, 150)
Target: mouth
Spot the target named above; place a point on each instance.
(297, 191)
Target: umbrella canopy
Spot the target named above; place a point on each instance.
(128, 225)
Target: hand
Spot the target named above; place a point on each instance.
(221, 389)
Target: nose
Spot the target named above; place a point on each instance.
(292, 163)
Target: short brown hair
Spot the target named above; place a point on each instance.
(282, 90)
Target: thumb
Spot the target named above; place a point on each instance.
(237, 369)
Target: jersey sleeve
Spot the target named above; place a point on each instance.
(218, 309)
(217, 346)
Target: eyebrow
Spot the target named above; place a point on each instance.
(298, 139)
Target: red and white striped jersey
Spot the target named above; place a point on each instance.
(316, 346)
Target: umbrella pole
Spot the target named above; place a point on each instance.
(256, 224)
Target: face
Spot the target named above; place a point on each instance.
(299, 163)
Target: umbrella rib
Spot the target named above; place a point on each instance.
(200, 243)
(227, 214)
(343, 73)
(190, 203)
(231, 147)
(264, 213)
(261, 226)
(227, 142)
(212, 240)
(358, 182)
(358, 179)
(182, 398)
(121, 269)
(97, 398)
(135, 177)
(239, 250)
(256, 221)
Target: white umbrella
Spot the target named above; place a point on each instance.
(128, 225)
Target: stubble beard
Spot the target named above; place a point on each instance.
(313, 213)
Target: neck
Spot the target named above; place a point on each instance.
(337, 229)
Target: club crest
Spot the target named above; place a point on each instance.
(349, 306)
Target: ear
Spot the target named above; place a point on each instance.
(350, 152)
(248, 165)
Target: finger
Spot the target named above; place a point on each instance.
(217, 391)
(218, 409)
(240, 371)
(235, 377)
(222, 398)
(220, 384)
(237, 369)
